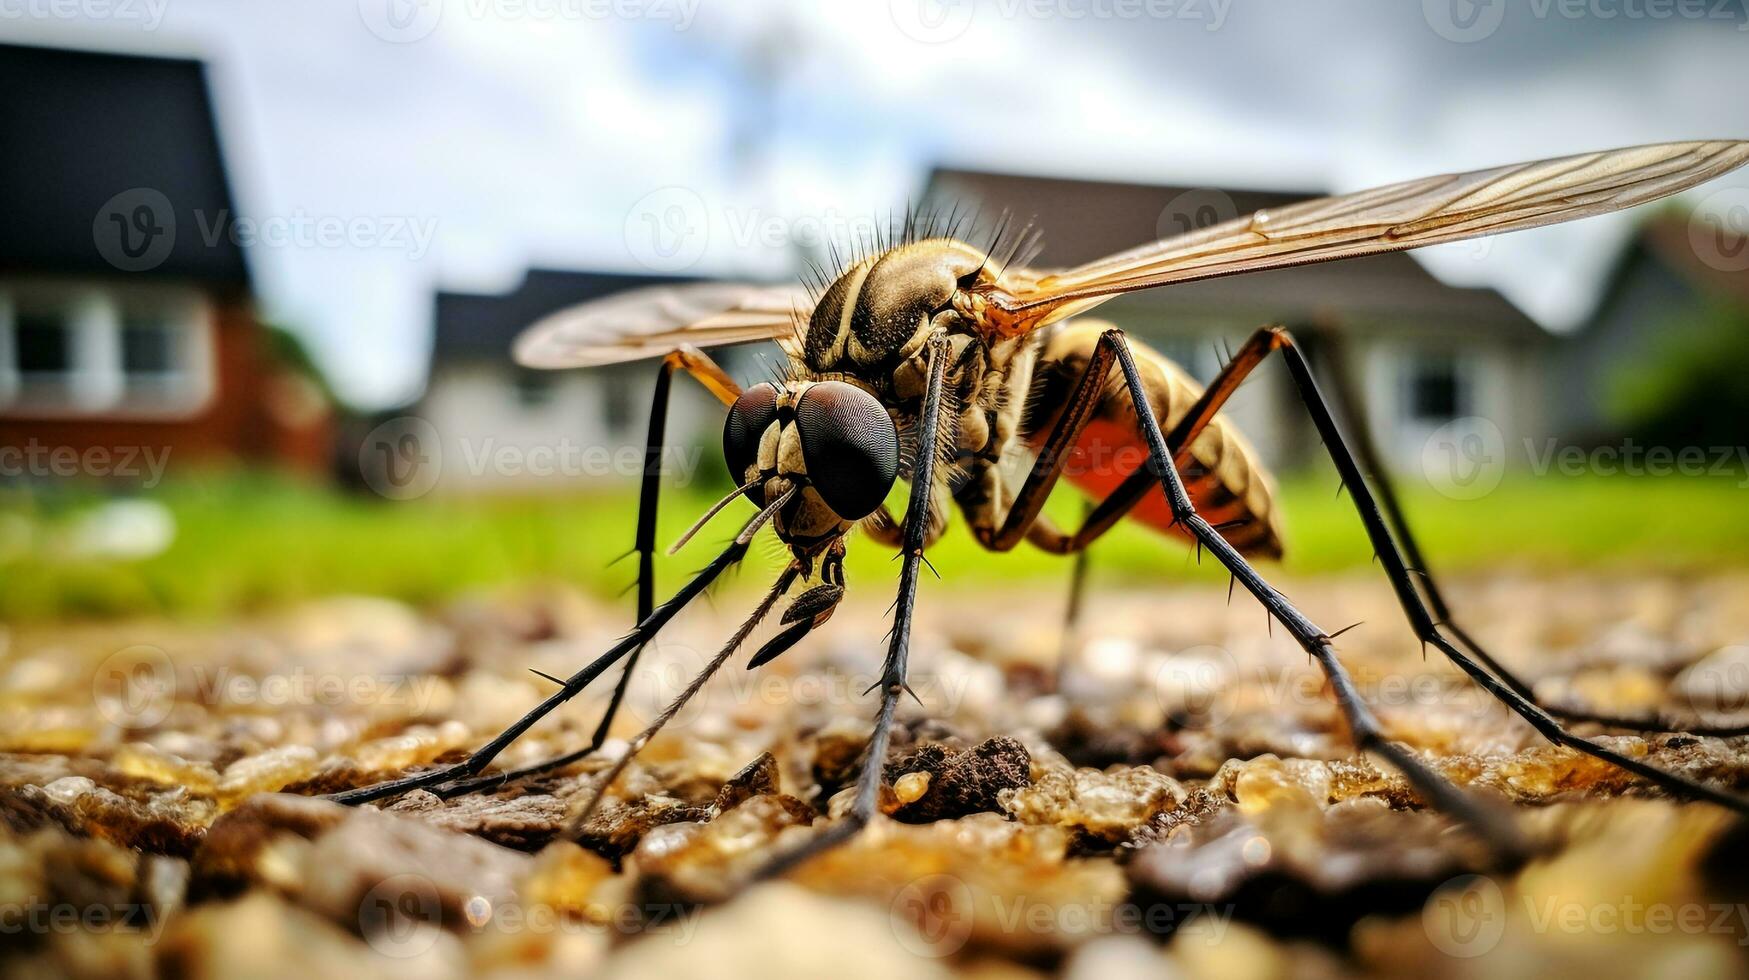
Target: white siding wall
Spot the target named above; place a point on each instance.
(495, 440)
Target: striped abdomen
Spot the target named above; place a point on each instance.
(1229, 486)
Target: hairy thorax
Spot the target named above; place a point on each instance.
(872, 324)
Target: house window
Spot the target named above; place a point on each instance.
(534, 389)
(87, 350)
(616, 399)
(1437, 390)
(43, 342)
(45, 349)
(148, 348)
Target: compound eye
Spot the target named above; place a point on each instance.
(748, 419)
(850, 447)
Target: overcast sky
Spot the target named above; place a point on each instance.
(461, 141)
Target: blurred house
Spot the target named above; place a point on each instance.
(1420, 353)
(501, 427)
(127, 327)
(1663, 293)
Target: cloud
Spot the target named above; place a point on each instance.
(528, 130)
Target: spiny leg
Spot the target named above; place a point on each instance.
(573, 685)
(1421, 619)
(1344, 407)
(1486, 819)
(1136, 487)
(893, 670)
(580, 814)
(1252, 353)
(702, 368)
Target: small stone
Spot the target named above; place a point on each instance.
(1107, 806)
(910, 787)
(780, 930)
(1717, 682)
(249, 844)
(699, 861)
(567, 879)
(373, 855)
(1267, 781)
(525, 822)
(145, 761)
(267, 772)
(417, 745)
(264, 937)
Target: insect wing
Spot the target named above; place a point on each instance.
(657, 320)
(1385, 219)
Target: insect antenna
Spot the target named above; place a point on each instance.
(592, 802)
(714, 510)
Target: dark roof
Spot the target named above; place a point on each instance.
(482, 326)
(1670, 237)
(1082, 220)
(83, 127)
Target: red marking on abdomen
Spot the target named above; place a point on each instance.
(1108, 452)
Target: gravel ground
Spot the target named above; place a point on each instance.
(1180, 796)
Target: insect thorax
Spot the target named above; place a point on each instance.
(880, 311)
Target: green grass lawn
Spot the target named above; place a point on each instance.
(246, 543)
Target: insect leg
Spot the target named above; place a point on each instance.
(1422, 620)
(580, 815)
(1083, 404)
(892, 683)
(1343, 406)
(1072, 613)
(1137, 485)
(702, 368)
(1486, 819)
(641, 634)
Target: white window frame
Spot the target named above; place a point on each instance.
(98, 386)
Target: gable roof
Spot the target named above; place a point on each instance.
(482, 326)
(1670, 236)
(1082, 220)
(82, 127)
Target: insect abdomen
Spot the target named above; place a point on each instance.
(1229, 487)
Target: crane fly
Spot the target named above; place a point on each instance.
(928, 359)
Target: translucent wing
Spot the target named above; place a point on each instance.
(1385, 219)
(654, 321)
